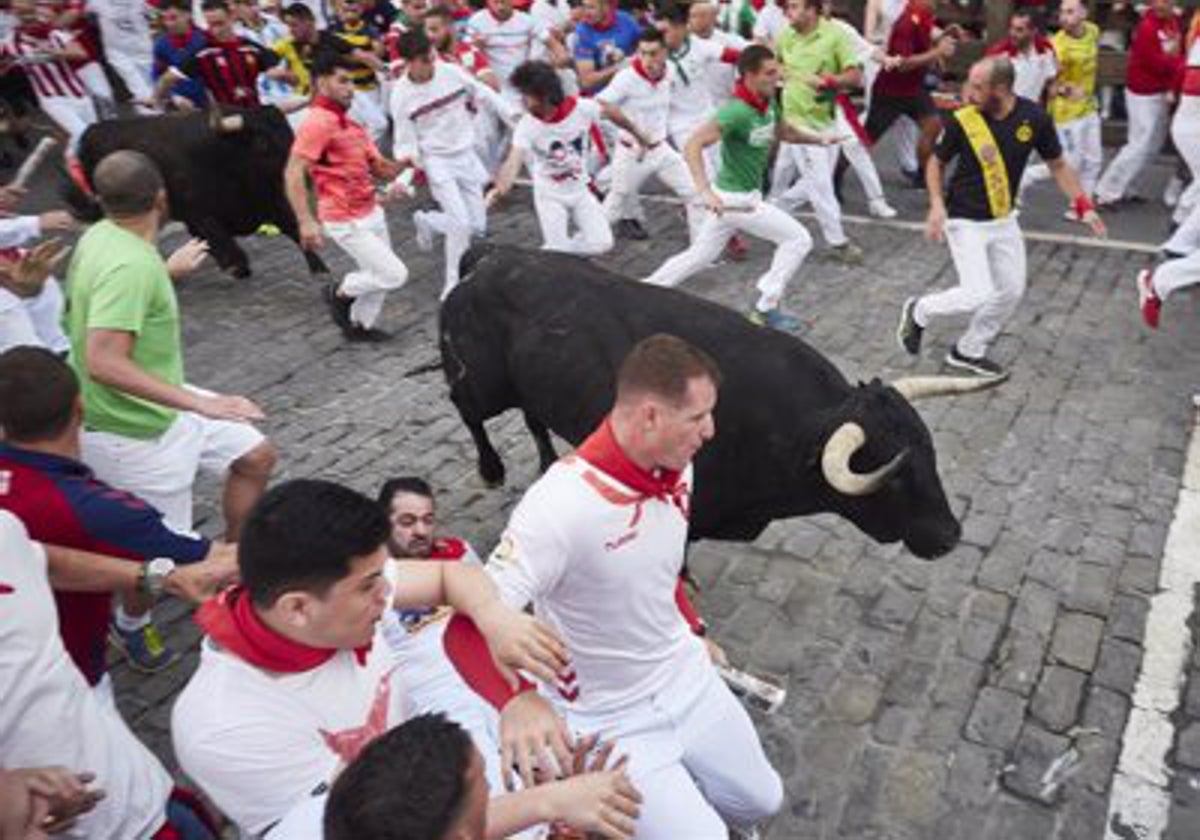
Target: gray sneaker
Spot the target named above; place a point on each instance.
(847, 253)
(909, 332)
(978, 365)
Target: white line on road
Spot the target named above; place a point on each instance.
(1140, 805)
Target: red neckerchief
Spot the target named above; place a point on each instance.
(37, 29)
(181, 41)
(563, 111)
(232, 623)
(608, 23)
(750, 97)
(602, 451)
(640, 69)
(334, 107)
(447, 548)
(757, 5)
(1008, 47)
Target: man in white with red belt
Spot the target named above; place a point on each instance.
(643, 91)
(597, 545)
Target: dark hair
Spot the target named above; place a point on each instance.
(753, 58)
(214, 6)
(127, 183)
(404, 484)
(298, 10)
(37, 394)
(674, 13)
(413, 44)
(1002, 73)
(651, 35)
(328, 62)
(176, 6)
(408, 784)
(539, 80)
(662, 365)
(303, 534)
(439, 11)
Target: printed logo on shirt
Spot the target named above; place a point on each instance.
(346, 744)
(624, 539)
(1025, 133)
(762, 135)
(505, 554)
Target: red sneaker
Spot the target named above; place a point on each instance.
(735, 249)
(1148, 301)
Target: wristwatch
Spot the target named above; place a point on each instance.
(154, 575)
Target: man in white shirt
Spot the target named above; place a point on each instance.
(31, 307)
(507, 37)
(49, 716)
(719, 76)
(433, 109)
(295, 676)
(694, 62)
(596, 546)
(644, 91)
(554, 137)
(771, 21)
(128, 45)
(1032, 56)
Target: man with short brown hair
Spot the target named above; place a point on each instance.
(597, 546)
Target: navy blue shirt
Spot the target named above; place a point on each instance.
(600, 45)
(173, 51)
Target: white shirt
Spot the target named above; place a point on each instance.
(770, 22)
(124, 26)
(262, 744)
(720, 76)
(48, 714)
(437, 117)
(556, 152)
(647, 103)
(603, 574)
(1033, 70)
(692, 69)
(551, 15)
(506, 43)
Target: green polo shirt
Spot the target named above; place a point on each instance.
(824, 50)
(118, 281)
(746, 138)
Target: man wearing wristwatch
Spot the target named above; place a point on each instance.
(63, 505)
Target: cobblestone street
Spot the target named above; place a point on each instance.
(983, 695)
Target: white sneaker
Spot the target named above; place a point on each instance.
(1173, 191)
(880, 209)
(424, 231)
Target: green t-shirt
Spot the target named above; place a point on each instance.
(118, 281)
(824, 50)
(746, 138)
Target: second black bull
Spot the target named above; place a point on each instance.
(546, 332)
(223, 173)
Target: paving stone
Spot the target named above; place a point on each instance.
(957, 683)
(1005, 564)
(1039, 763)
(1118, 665)
(1012, 818)
(1092, 589)
(1076, 640)
(973, 774)
(1127, 619)
(977, 640)
(854, 698)
(996, 718)
(895, 608)
(1056, 702)
(1035, 609)
(1187, 747)
(1018, 662)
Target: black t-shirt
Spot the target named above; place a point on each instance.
(1027, 127)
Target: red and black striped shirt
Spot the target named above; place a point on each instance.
(229, 70)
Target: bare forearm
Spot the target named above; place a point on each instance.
(933, 181)
(693, 154)
(468, 589)
(513, 812)
(297, 192)
(1066, 179)
(72, 570)
(509, 170)
(120, 372)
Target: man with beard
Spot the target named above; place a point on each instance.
(992, 137)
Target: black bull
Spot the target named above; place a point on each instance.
(546, 333)
(223, 173)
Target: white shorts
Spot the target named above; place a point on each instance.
(162, 470)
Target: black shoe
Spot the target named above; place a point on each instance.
(339, 307)
(909, 332)
(631, 229)
(913, 178)
(367, 335)
(980, 366)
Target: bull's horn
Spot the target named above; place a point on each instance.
(847, 439)
(913, 388)
(230, 123)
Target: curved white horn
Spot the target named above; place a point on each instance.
(230, 124)
(914, 388)
(847, 439)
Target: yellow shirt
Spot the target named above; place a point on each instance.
(1077, 59)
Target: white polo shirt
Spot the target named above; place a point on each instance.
(438, 117)
(646, 102)
(49, 716)
(506, 43)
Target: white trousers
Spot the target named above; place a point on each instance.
(162, 470)
(1082, 150)
(695, 757)
(682, 132)
(456, 184)
(1186, 237)
(135, 70)
(746, 213)
(990, 260)
(33, 321)
(557, 209)
(369, 244)
(1185, 133)
(1148, 120)
(859, 158)
(815, 184)
(72, 114)
(631, 169)
(1173, 275)
(367, 110)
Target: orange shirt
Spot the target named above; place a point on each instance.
(339, 153)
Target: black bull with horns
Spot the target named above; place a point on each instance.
(546, 333)
(223, 172)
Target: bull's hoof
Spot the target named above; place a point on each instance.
(240, 272)
(492, 472)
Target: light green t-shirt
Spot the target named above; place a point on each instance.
(118, 281)
(824, 50)
(746, 138)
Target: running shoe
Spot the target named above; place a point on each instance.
(909, 332)
(143, 648)
(978, 365)
(1149, 302)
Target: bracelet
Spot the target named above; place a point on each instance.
(1083, 205)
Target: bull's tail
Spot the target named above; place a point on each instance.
(77, 193)
(423, 368)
